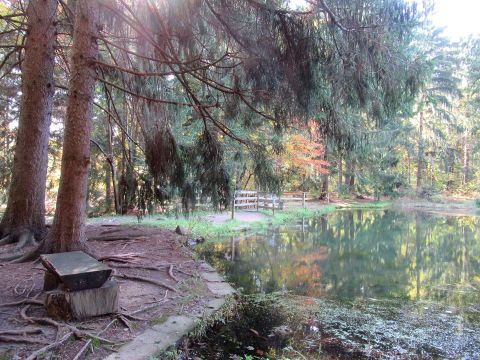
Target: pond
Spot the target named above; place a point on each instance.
(381, 284)
(358, 253)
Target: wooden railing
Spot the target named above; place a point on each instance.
(252, 199)
(296, 196)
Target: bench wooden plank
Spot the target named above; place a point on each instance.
(76, 270)
(246, 204)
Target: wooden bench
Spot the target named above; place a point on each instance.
(77, 286)
(74, 270)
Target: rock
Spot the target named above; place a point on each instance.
(191, 243)
(282, 331)
(180, 230)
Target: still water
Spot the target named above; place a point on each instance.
(352, 284)
(359, 254)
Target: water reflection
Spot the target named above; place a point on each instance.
(351, 254)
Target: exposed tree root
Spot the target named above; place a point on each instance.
(22, 339)
(9, 239)
(146, 308)
(117, 238)
(23, 302)
(132, 317)
(122, 258)
(112, 231)
(170, 273)
(56, 344)
(23, 237)
(21, 332)
(43, 247)
(133, 265)
(185, 272)
(89, 341)
(24, 257)
(123, 319)
(147, 280)
(82, 350)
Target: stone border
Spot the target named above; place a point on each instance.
(160, 337)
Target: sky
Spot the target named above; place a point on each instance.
(460, 18)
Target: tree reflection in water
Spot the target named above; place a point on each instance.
(359, 253)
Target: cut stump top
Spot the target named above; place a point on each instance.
(77, 270)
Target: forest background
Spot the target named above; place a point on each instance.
(148, 104)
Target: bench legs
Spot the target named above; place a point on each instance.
(50, 281)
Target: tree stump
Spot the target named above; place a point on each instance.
(82, 304)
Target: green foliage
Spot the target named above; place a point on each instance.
(201, 227)
(477, 203)
(368, 205)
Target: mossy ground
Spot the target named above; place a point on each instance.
(199, 225)
(286, 326)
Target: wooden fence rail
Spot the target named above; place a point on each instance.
(254, 200)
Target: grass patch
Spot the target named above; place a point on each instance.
(199, 225)
(367, 205)
(285, 216)
(191, 290)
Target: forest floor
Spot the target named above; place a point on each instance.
(158, 277)
(211, 225)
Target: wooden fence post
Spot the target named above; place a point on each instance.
(257, 200)
(273, 205)
(233, 206)
(303, 202)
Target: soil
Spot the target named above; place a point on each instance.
(137, 247)
(240, 215)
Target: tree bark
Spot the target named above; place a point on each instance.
(324, 191)
(466, 168)
(409, 170)
(420, 157)
(26, 197)
(68, 228)
(340, 174)
(351, 183)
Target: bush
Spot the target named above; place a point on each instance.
(477, 203)
(427, 192)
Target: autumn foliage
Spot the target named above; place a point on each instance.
(303, 156)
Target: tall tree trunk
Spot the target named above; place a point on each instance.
(347, 174)
(466, 168)
(108, 188)
(68, 229)
(421, 150)
(324, 191)
(340, 173)
(351, 183)
(409, 161)
(26, 197)
(432, 169)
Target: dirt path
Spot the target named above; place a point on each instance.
(137, 254)
(244, 216)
